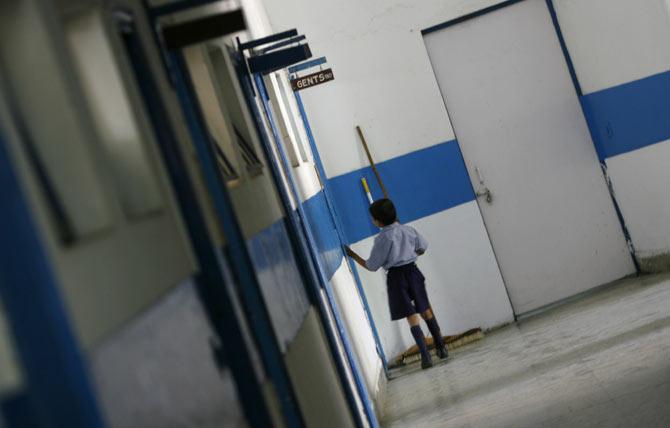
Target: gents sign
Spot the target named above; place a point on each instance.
(313, 79)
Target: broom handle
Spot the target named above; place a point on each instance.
(372, 163)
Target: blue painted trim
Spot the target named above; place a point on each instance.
(564, 47)
(629, 117)
(59, 388)
(308, 64)
(360, 384)
(469, 16)
(214, 277)
(420, 183)
(340, 229)
(248, 287)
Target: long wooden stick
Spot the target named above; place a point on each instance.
(372, 163)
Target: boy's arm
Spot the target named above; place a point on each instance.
(378, 255)
(358, 259)
(421, 244)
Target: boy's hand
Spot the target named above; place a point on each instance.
(358, 259)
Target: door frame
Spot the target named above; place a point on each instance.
(579, 93)
(213, 281)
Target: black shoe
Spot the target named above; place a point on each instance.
(442, 351)
(426, 364)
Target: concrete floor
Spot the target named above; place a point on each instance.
(603, 361)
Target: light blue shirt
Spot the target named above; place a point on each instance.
(396, 245)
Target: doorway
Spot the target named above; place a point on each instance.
(526, 145)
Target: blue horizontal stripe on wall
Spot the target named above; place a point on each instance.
(629, 116)
(325, 234)
(420, 183)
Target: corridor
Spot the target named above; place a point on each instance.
(598, 362)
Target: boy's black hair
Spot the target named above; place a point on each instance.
(383, 211)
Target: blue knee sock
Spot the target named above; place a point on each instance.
(420, 341)
(434, 331)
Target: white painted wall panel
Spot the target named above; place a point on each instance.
(463, 282)
(615, 41)
(640, 180)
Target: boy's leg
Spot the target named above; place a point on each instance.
(434, 328)
(415, 328)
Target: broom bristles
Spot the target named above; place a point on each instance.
(452, 342)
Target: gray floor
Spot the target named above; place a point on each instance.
(603, 361)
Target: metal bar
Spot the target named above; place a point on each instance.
(305, 65)
(372, 162)
(273, 61)
(199, 30)
(265, 40)
(283, 43)
(177, 6)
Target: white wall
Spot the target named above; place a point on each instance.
(613, 42)
(640, 180)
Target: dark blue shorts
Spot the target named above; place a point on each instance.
(406, 287)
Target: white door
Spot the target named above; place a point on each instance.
(515, 112)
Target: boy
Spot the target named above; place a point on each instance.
(396, 248)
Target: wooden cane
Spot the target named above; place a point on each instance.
(372, 163)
